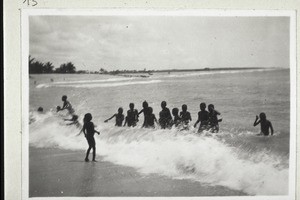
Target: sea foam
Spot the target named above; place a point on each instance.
(98, 84)
(172, 153)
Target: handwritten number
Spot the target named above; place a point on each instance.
(31, 2)
(35, 2)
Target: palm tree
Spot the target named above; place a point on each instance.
(67, 68)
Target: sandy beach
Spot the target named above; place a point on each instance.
(56, 172)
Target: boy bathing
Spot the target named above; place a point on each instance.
(265, 124)
(213, 121)
(132, 116)
(146, 112)
(202, 118)
(177, 119)
(89, 131)
(119, 117)
(164, 116)
(66, 105)
(150, 119)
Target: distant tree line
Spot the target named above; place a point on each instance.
(37, 67)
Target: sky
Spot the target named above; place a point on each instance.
(159, 42)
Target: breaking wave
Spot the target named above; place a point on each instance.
(96, 84)
(207, 159)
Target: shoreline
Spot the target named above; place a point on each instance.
(61, 173)
(149, 72)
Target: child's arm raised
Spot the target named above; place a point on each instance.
(125, 121)
(256, 122)
(140, 112)
(217, 112)
(155, 119)
(196, 123)
(110, 118)
(136, 115)
(271, 127)
(81, 130)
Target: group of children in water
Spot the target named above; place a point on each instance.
(208, 120)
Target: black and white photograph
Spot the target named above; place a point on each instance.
(141, 103)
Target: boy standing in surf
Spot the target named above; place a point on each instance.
(164, 116)
(119, 117)
(213, 121)
(145, 110)
(150, 119)
(265, 124)
(89, 131)
(202, 118)
(185, 115)
(132, 116)
(177, 119)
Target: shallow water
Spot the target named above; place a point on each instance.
(235, 157)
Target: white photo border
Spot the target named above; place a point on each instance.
(26, 13)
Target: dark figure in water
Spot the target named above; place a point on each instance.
(202, 118)
(132, 116)
(89, 131)
(150, 119)
(177, 119)
(67, 105)
(40, 109)
(165, 117)
(74, 121)
(119, 117)
(58, 108)
(146, 112)
(265, 124)
(213, 121)
(185, 115)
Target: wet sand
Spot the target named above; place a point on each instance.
(61, 173)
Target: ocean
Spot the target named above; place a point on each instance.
(235, 157)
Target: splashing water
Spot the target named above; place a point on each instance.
(176, 154)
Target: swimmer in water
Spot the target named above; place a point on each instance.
(145, 110)
(132, 116)
(150, 119)
(58, 108)
(119, 117)
(213, 121)
(67, 105)
(202, 118)
(185, 115)
(177, 119)
(74, 121)
(165, 117)
(40, 109)
(265, 124)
